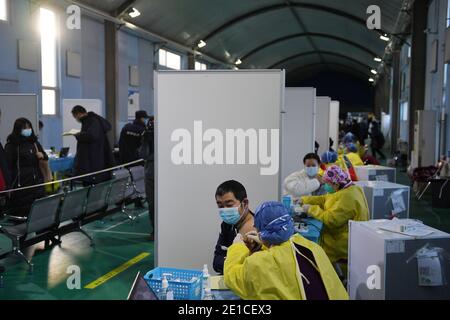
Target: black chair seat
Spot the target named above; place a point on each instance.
(19, 230)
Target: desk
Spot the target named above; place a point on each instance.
(61, 164)
(313, 230)
(224, 295)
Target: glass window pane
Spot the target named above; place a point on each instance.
(48, 47)
(162, 57)
(48, 102)
(173, 61)
(3, 10)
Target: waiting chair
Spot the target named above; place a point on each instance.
(118, 193)
(138, 179)
(73, 209)
(41, 223)
(97, 200)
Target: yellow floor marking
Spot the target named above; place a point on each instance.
(116, 271)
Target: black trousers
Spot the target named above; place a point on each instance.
(150, 193)
(376, 151)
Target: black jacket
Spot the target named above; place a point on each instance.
(4, 167)
(24, 168)
(147, 152)
(130, 141)
(94, 151)
(226, 238)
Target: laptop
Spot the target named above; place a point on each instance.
(141, 291)
(64, 152)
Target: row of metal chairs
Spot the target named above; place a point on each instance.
(52, 217)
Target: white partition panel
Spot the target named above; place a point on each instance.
(298, 134)
(69, 123)
(323, 123)
(334, 122)
(196, 113)
(15, 106)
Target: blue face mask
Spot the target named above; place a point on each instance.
(27, 133)
(230, 216)
(312, 171)
(329, 189)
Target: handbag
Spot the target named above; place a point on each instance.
(45, 168)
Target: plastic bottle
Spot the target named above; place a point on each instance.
(165, 293)
(205, 279)
(208, 294)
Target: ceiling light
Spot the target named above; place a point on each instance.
(134, 13)
(385, 37)
(377, 59)
(371, 80)
(201, 44)
(238, 62)
(374, 71)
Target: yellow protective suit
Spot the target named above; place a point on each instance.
(355, 159)
(335, 211)
(339, 162)
(273, 274)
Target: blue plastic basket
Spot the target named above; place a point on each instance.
(181, 282)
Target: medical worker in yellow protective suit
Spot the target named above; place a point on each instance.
(353, 155)
(289, 267)
(331, 158)
(344, 201)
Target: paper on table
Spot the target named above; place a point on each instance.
(218, 283)
(71, 132)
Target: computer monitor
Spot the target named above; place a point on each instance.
(64, 152)
(141, 291)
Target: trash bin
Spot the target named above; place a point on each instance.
(440, 193)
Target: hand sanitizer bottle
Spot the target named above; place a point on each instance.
(165, 293)
(205, 279)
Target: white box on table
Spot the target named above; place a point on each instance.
(376, 173)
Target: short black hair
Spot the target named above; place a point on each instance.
(312, 156)
(78, 110)
(234, 187)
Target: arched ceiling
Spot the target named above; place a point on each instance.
(288, 34)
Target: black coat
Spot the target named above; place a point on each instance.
(226, 238)
(4, 167)
(94, 151)
(24, 168)
(130, 141)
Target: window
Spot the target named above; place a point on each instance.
(169, 59)
(200, 66)
(4, 10)
(404, 109)
(48, 61)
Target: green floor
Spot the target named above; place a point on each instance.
(117, 242)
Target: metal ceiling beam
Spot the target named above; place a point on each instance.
(276, 7)
(331, 53)
(123, 8)
(303, 27)
(345, 68)
(310, 34)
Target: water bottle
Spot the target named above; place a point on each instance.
(205, 279)
(165, 292)
(208, 294)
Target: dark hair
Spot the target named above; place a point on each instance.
(78, 110)
(19, 125)
(311, 156)
(234, 187)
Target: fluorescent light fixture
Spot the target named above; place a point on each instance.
(238, 62)
(374, 71)
(385, 37)
(371, 80)
(377, 59)
(134, 13)
(201, 44)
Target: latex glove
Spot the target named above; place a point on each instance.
(253, 236)
(306, 208)
(238, 239)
